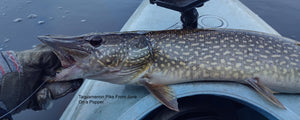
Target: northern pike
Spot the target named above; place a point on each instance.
(156, 59)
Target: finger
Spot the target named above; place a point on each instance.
(60, 89)
(53, 91)
(44, 99)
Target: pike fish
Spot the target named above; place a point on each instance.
(155, 59)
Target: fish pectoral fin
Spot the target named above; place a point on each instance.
(164, 94)
(264, 91)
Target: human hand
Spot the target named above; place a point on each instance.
(35, 67)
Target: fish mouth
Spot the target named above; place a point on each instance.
(68, 49)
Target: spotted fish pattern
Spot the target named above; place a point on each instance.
(231, 55)
(155, 59)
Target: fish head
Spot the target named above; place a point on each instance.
(69, 49)
(111, 57)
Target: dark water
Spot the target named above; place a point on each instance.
(69, 17)
(282, 15)
(73, 17)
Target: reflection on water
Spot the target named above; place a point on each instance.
(18, 20)
(22, 20)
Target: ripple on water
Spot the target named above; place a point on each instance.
(33, 46)
(18, 20)
(67, 11)
(31, 16)
(28, 2)
(41, 22)
(5, 40)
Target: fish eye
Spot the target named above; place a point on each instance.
(96, 41)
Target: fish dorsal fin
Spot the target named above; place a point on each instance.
(164, 94)
(264, 91)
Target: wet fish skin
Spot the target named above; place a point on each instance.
(103, 53)
(233, 55)
(159, 58)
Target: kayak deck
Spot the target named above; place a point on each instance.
(214, 14)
